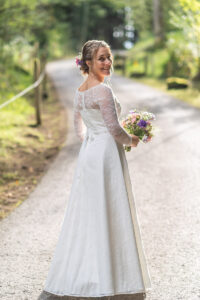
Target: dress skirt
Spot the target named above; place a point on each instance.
(99, 253)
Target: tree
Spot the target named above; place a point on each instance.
(91, 19)
(187, 19)
(142, 15)
(158, 24)
(153, 17)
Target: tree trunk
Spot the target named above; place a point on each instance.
(158, 22)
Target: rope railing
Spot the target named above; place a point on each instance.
(22, 93)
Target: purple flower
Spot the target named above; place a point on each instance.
(78, 61)
(142, 123)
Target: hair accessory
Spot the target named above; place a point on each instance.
(78, 61)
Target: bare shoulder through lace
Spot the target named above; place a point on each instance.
(100, 97)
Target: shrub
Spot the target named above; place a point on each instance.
(137, 74)
(177, 83)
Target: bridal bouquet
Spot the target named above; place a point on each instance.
(139, 123)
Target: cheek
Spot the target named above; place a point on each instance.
(99, 64)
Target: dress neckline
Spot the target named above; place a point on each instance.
(90, 88)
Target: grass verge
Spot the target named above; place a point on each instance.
(26, 150)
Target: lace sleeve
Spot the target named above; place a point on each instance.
(118, 107)
(79, 125)
(108, 110)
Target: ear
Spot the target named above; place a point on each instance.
(88, 62)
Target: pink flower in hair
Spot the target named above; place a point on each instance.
(78, 61)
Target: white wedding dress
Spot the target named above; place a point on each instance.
(99, 251)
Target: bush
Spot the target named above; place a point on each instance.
(181, 59)
(119, 62)
(137, 74)
(177, 83)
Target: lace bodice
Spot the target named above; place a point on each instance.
(103, 111)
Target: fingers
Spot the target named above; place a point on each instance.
(135, 141)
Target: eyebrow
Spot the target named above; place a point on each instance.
(104, 55)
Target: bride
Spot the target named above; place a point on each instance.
(99, 254)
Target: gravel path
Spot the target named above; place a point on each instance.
(166, 182)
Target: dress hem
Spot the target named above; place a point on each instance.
(46, 295)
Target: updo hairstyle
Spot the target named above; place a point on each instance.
(90, 49)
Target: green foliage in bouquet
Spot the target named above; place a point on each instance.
(139, 123)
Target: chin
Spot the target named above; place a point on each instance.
(106, 73)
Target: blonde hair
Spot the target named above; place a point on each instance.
(88, 52)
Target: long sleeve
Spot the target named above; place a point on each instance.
(118, 107)
(108, 110)
(79, 125)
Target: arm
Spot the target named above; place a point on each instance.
(109, 114)
(118, 106)
(79, 125)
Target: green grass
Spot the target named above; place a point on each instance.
(18, 115)
(10, 176)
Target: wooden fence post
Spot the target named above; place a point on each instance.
(37, 92)
(44, 82)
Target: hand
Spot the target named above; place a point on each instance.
(135, 140)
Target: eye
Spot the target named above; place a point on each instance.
(103, 58)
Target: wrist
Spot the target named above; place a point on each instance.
(131, 141)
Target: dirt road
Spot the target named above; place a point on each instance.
(166, 182)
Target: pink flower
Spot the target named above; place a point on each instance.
(78, 61)
(133, 119)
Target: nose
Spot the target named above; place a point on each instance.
(108, 62)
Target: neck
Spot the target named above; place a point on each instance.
(93, 77)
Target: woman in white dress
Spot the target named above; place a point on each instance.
(99, 254)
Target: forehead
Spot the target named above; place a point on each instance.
(103, 51)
